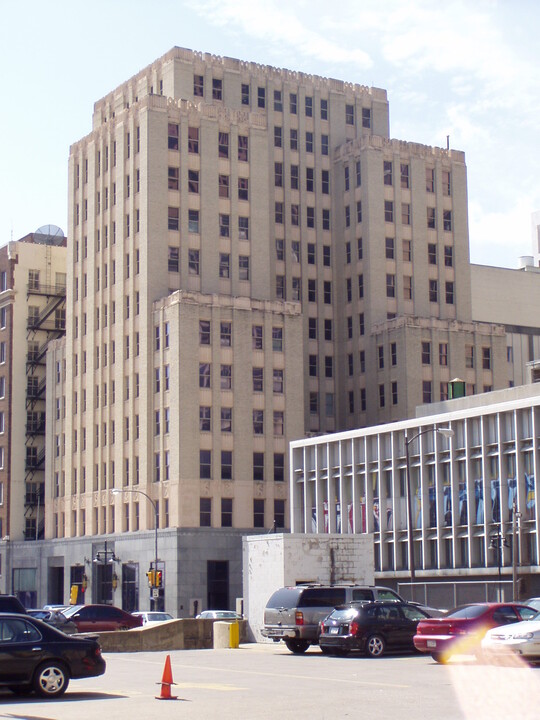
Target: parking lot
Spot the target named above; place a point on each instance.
(266, 681)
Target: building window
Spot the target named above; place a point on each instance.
(426, 391)
(226, 512)
(405, 214)
(446, 187)
(173, 218)
(243, 148)
(258, 379)
(278, 136)
(389, 244)
(257, 337)
(309, 106)
(193, 262)
(380, 355)
(243, 267)
(198, 85)
(312, 366)
(430, 180)
(193, 140)
(258, 422)
(312, 328)
(296, 289)
(327, 255)
(205, 418)
(393, 354)
(278, 423)
(258, 466)
(258, 513)
(327, 292)
(309, 142)
(432, 253)
(443, 389)
(173, 136)
(277, 339)
(217, 89)
(404, 175)
(349, 114)
(193, 224)
(366, 117)
(443, 354)
(448, 256)
(223, 145)
(278, 174)
(294, 139)
(224, 265)
(226, 465)
(278, 213)
(173, 178)
(486, 358)
(426, 353)
(224, 225)
(205, 464)
(433, 291)
(328, 366)
(226, 377)
(469, 356)
(431, 218)
(225, 334)
(204, 375)
(407, 287)
(394, 388)
(205, 512)
(261, 97)
(174, 259)
(293, 103)
(390, 285)
(447, 220)
(279, 513)
(278, 101)
(449, 292)
(244, 94)
(388, 211)
(280, 287)
(381, 396)
(324, 144)
(387, 172)
(223, 186)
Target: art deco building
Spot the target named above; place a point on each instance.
(251, 258)
(32, 313)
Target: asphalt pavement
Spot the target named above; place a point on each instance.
(266, 681)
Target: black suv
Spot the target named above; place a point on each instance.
(11, 604)
(293, 613)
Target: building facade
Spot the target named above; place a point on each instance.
(473, 495)
(252, 259)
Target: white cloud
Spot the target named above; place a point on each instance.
(500, 237)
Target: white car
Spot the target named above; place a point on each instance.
(153, 617)
(522, 638)
(219, 615)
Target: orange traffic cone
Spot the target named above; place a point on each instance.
(166, 682)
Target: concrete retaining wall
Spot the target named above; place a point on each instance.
(186, 634)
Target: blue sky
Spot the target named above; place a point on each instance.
(470, 70)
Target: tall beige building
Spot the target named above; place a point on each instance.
(32, 314)
(251, 259)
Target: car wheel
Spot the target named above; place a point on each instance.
(297, 646)
(375, 646)
(439, 657)
(51, 679)
(21, 689)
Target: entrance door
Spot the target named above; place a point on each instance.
(217, 579)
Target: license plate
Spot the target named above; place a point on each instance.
(334, 630)
(431, 643)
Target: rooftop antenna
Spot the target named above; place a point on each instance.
(448, 142)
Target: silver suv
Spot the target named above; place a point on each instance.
(293, 613)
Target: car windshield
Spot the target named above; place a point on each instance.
(468, 612)
(68, 612)
(159, 616)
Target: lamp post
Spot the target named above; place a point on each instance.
(118, 491)
(516, 516)
(498, 542)
(445, 432)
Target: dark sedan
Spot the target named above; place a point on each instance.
(36, 657)
(462, 630)
(101, 618)
(373, 628)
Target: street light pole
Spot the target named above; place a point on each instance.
(117, 491)
(445, 432)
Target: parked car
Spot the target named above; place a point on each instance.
(534, 603)
(101, 618)
(293, 614)
(219, 615)
(521, 638)
(373, 628)
(54, 618)
(36, 657)
(11, 604)
(153, 617)
(464, 627)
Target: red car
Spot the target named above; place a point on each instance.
(461, 630)
(100, 618)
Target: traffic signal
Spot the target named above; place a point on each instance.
(150, 576)
(159, 578)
